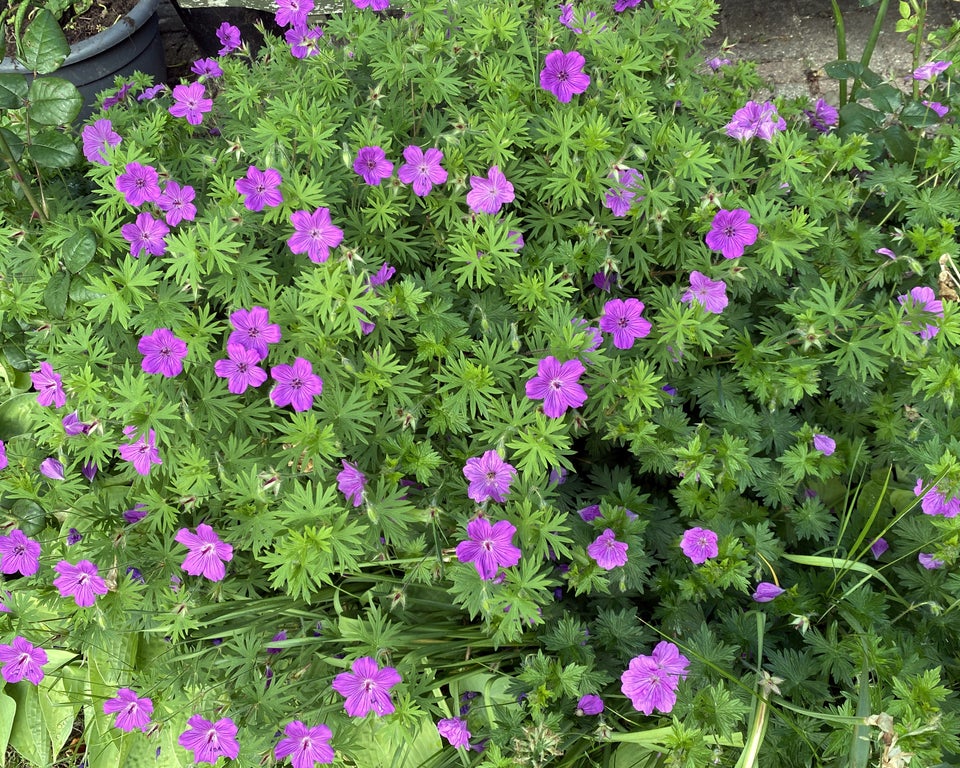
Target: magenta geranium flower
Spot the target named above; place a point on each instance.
(297, 384)
(709, 294)
(209, 741)
(96, 139)
(3, 455)
(132, 711)
(314, 234)
(191, 102)
(930, 70)
(767, 591)
(293, 13)
(558, 385)
(22, 661)
(207, 553)
(143, 453)
(650, 682)
(454, 730)
(162, 352)
(52, 468)
(624, 319)
(488, 195)
(563, 75)
(699, 544)
(936, 503)
(229, 37)
(823, 117)
(489, 547)
(924, 299)
(19, 554)
(305, 746)
(422, 169)
(755, 120)
(936, 106)
(260, 188)
(206, 68)
(139, 183)
(253, 330)
(240, 369)
(303, 41)
(607, 552)
(930, 562)
(731, 232)
(146, 234)
(177, 203)
(825, 444)
(878, 547)
(49, 386)
(619, 198)
(591, 704)
(367, 688)
(490, 477)
(372, 165)
(351, 482)
(82, 582)
(374, 5)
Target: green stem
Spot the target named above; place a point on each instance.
(921, 10)
(18, 177)
(841, 46)
(871, 42)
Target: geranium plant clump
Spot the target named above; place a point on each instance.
(493, 384)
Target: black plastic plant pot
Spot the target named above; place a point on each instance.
(132, 44)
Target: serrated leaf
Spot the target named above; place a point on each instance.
(53, 149)
(14, 142)
(13, 90)
(79, 250)
(56, 292)
(44, 46)
(53, 101)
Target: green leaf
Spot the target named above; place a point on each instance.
(79, 250)
(843, 69)
(44, 46)
(8, 709)
(53, 149)
(53, 101)
(56, 292)
(14, 142)
(13, 90)
(28, 734)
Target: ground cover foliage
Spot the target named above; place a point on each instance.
(484, 384)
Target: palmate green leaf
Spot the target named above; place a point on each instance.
(542, 446)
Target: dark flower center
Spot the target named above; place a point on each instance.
(623, 322)
(207, 549)
(242, 367)
(19, 549)
(556, 385)
(165, 352)
(729, 231)
(253, 333)
(296, 383)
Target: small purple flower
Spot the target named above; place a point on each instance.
(650, 682)
(619, 198)
(19, 554)
(306, 746)
(591, 704)
(489, 547)
(924, 299)
(558, 385)
(929, 562)
(206, 68)
(605, 281)
(699, 544)
(49, 386)
(624, 320)
(146, 234)
(454, 730)
(825, 444)
(607, 552)
(260, 188)
(374, 5)
(89, 470)
(209, 741)
(152, 92)
(716, 63)
(97, 138)
(936, 503)
(590, 513)
(755, 120)
(191, 102)
(143, 453)
(135, 514)
(162, 352)
(372, 165)
(73, 426)
(253, 330)
(383, 276)
(592, 333)
(303, 41)
(117, 96)
(824, 116)
(314, 234)
(74, 537)
(132, 711)
(207, 553)
(139, 184)
(621, 5)
(297, 384)
(177, 203)
(367, 688)
(931, 69)
(22, 661)
(3, 456)
(229, 37)
(52, 468)
(731, 232)
(82, 582)
(937, 107)
(765, 592)
(351, 482)
(490, 477)
(240, 369)
(488, 195)
(422, 169)
(563, 75)
(279, 637)
(709, 294)
(293, 13)
(878, 548)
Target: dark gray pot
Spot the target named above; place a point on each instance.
(132, 44)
